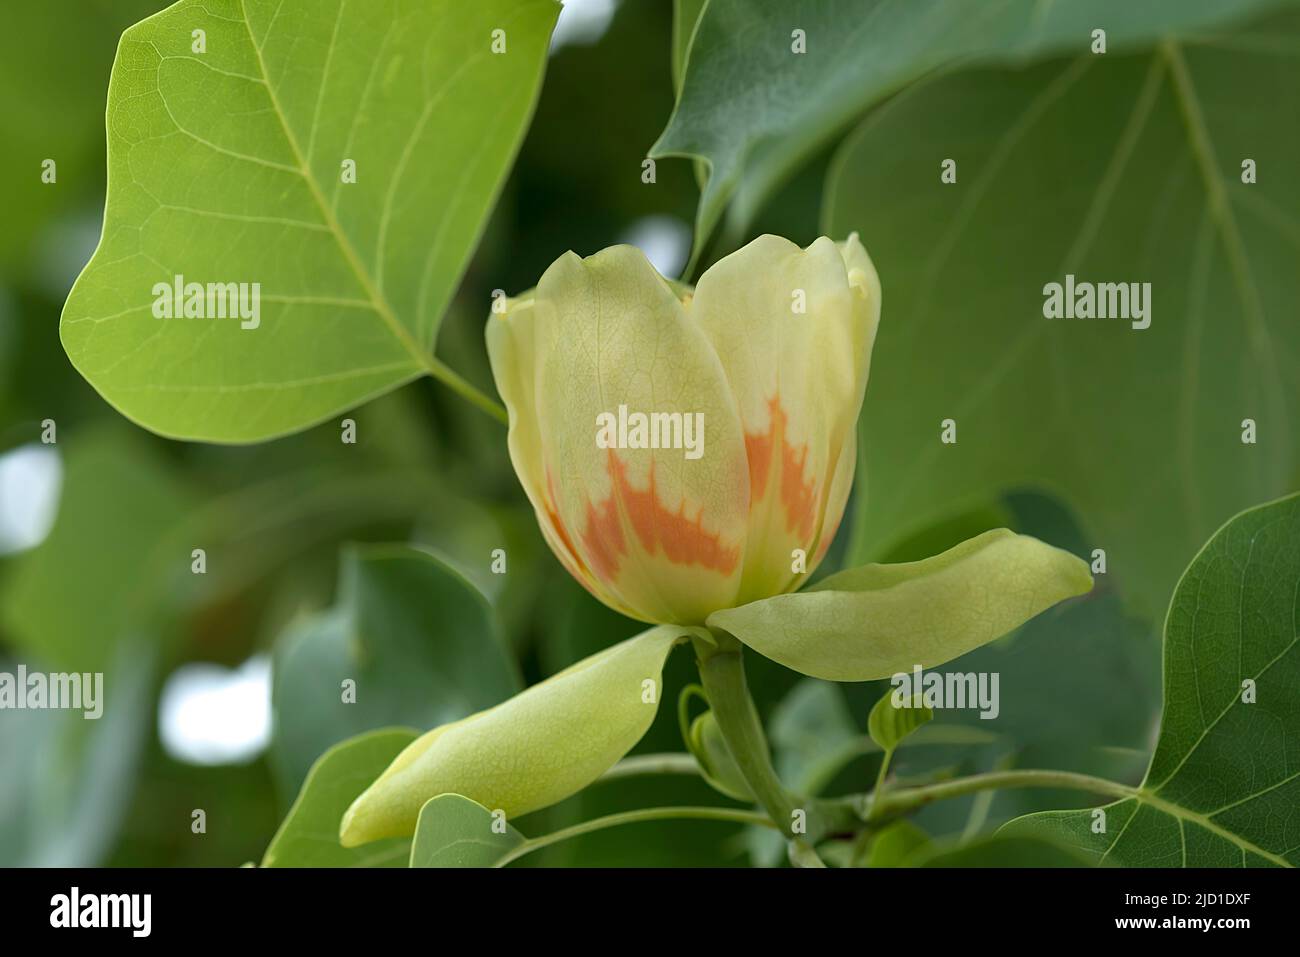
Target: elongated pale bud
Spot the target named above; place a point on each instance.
(535, 749)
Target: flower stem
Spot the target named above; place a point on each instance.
(633, 817)
(722, 669)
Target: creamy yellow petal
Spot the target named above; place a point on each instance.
(795, 329)
(511, 348)
(660, 530)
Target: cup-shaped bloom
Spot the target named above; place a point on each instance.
(689, 450)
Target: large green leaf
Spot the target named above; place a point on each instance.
(1121, 169)
(418, 640)
(454, 831)
(754, 109)
(309, 834)
(1222, 788)
(227, 166)
(879, 620)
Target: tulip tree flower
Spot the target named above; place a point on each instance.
(689, 453)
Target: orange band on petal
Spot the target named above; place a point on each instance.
(683, 540)
(571, 560)
(604, 538)
(758, 448)
(798, 498)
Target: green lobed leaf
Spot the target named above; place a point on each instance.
(1123, 169)
(1221, 790)
(416, 637)
(454, 831)
(878, 620)
(888, 724)
(309, 834)
(755, 110)
(226, 166)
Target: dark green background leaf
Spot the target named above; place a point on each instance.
(420, 641)
(755, 110)
(1121, 169)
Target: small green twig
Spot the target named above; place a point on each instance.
(979, 810)
(872, 808)
(903, 800)
(466, 390)
(644, 764)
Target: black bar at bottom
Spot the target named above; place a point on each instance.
(241, 906)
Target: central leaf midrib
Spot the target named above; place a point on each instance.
(377, 301)
(1179, 812)
(1258, 333)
